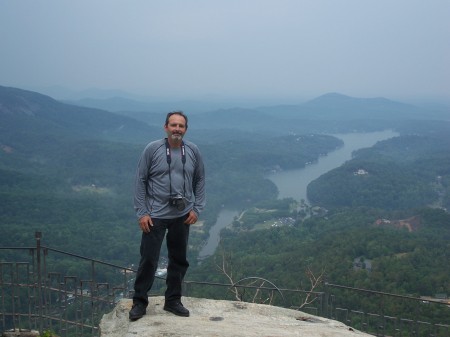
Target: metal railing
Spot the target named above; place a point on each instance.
(36, 295)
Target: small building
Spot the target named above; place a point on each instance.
(360, 172)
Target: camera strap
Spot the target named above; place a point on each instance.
(169, 160)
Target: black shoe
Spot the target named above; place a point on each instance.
(137, 311)
(176, 308)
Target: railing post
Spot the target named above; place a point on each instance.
(38, 236)
(326, 300)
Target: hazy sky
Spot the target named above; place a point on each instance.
(273, 49)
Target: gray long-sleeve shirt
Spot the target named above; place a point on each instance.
(152, 181)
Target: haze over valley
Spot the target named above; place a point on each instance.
(71, 169)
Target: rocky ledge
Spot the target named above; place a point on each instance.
(214, 318)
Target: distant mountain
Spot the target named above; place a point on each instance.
(357, 107)
(25, 112)
(334, 106)
(236, 118)
(111, 104)
(61, 93)
(330, 113)
(131, 106)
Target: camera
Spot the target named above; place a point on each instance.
(178, 202)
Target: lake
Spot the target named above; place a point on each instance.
(224, 219)
(293, 183)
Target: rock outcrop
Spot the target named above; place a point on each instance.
(218, 318)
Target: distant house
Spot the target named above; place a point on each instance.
(441, 296)
(360, 172)
(285, 221)
(318, 211)
(411, 224)
(362, 263)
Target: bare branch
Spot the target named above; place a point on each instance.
(314, 283)
(227, 270)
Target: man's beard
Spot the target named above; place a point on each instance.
(176, 136)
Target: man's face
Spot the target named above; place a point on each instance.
(176, 128)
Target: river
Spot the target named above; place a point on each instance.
(224, 219)
(293, 183)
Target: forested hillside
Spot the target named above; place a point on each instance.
(68, 172)
(355, 247)
(65, 173)
(402, 260)
(400, 173)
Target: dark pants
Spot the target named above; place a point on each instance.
(177, 241)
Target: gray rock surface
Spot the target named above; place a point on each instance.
(218, 318)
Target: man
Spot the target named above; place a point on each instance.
(169, 196)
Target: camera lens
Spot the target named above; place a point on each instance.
(180, 204)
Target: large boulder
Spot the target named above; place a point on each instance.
(218, 318)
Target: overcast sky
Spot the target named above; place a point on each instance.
(283, 50)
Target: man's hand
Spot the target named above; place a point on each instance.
(146, 223)
(191, 218)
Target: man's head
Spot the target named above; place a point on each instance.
(176, 126)
(179, 113)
